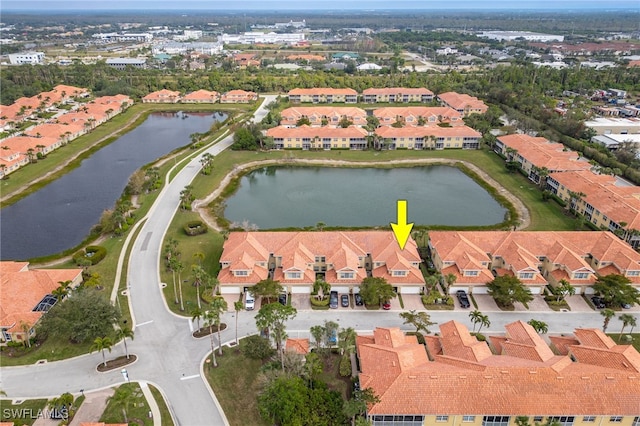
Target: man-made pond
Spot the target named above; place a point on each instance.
(277, 197)
(60, 215)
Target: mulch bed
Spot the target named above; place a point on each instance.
(112, 364)
(205, 331)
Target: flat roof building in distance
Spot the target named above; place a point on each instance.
(515, 35)
(122, 63)
(31, 58)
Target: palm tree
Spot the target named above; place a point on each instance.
(100, 344)
(347, 340)
(209, 321)
(198, 279)
(123, 333)
(172, 266)
(238, 307)
(218, 307)
(607, 314)
(196, 314)
(475, 318)
(450, 280)
(179, 267)
(627, 319)
(540, 327)
(122, 398)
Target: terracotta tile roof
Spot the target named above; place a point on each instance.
(55, 131)
(397, 91)
(426, 131)
(22, 290)
(542, 153)
(306, 58)
(316, 114)
(459, 101)
(408, 383)
(562, 343)
(238, 95)
(305, 131)
(21, 144)
(458, 343)
(162, 95)
(202, 95)
(323, 91)
(119, 99)
(430, 114)
(300, 346)
(343, 251)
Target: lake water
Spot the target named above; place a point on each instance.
(60, 215)
(279, 197)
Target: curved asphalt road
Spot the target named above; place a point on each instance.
(171, 358)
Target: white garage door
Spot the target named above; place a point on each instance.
(410, 289)
(340, 288)
(480, 289)
(535, 290)
(300, 289)
(230, 290)
(452, 289)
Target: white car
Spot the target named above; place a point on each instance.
(249, 301)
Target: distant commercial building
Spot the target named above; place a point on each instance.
(605, 126)
(613, 141)
(262, 38)
(515, 35)
(122, 63)
(115, 37)
(177, 48)
(31, 58)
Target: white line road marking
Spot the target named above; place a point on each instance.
(144, 323)
(195, 376)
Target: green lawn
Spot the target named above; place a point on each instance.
(137, 409)
(21, 414)
(162, 404)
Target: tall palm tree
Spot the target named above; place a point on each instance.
(198, 278)
(475, 317)
(627, 319)
(607, 314)
(199, 256)
(237, 306)
(450, 279)
(540, 327)
(209, 321)
(100, 344)
(122, 398)
(218, 307)
(123, 333)
(347, 340)
(179, 266)
(196, 314)
(172, 266)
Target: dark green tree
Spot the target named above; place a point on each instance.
(376, 290)
(616, 290)
(507, 289)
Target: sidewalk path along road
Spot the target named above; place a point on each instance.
(171, 358)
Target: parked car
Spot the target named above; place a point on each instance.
(358, 299)
(333, 300)
(598, 302)
(463, 299)
(386, 305)
(282, 298)
(344, 300)
(249, 301)
(626, 305)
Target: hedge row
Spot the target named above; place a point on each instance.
(94, 253)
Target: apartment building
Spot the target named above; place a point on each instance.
(397, 94)
(201, 97)
(429, 137)
(323, 95)
(325, 138)
(464, 104)
(322, 116)
(454, 379)
(163, 96)
(418, 116)
(536, 258)
(297, 259)
(238, 97)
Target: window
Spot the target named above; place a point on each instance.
(398, 273)
(581, 275)
(633, 273)
(320, 259)
(442, 418)
(468, 419)
(294, 275)
(615, 419)
(495, 421)
(589, 419)
(471, 273)
(526, 275)
(636, 421)
(345, 275)
(537, 419)
(563, 420)
(241, 273)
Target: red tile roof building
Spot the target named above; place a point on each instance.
(457, 379)
(323, 95)
(238, 97)
(535, 257)
(308, 58)
(316, 115)
(201, 97)
(462, 103)
(326, 138)
(21, 293)
(397, 94)
(163, 96)
(295, 258)
(418, 115)
(429, 137)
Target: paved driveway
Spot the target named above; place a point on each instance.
(412, 302)
(578, 304)
(536, 305)
(485, 303)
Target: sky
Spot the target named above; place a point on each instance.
(281, 5)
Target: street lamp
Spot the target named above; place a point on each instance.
(125, 374)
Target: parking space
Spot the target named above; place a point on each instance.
(536, 305)
(301, 301)
(485, 303)
(578, 304)
(230, 299)
(412, 302)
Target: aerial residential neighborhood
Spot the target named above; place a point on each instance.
(326, 215)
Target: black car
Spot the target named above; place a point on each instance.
(282, 299)
(463, 299)
(358, 299)
(344, 300)
(333, 300)
(598, 302)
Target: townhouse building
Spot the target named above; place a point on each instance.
(238, 97)
(418, 115)
(464, 104)
(536, 154)
(322, 116)
(297, 259)
(536, 258)
(428, 137)
(201, 97)
(27, 295)
(323, 95)
(601, 200)
(325, 138)
(397, 94)
(308, 58)
(454, 379)
(163, 96)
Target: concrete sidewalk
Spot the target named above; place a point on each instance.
(153, 405)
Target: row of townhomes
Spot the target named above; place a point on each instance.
(537, 258)
(27, 295)
(297, 259)
(605, 201)
(464, 104)
(411, 127)
(454, 379)
(165, 96)
(47, 135)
